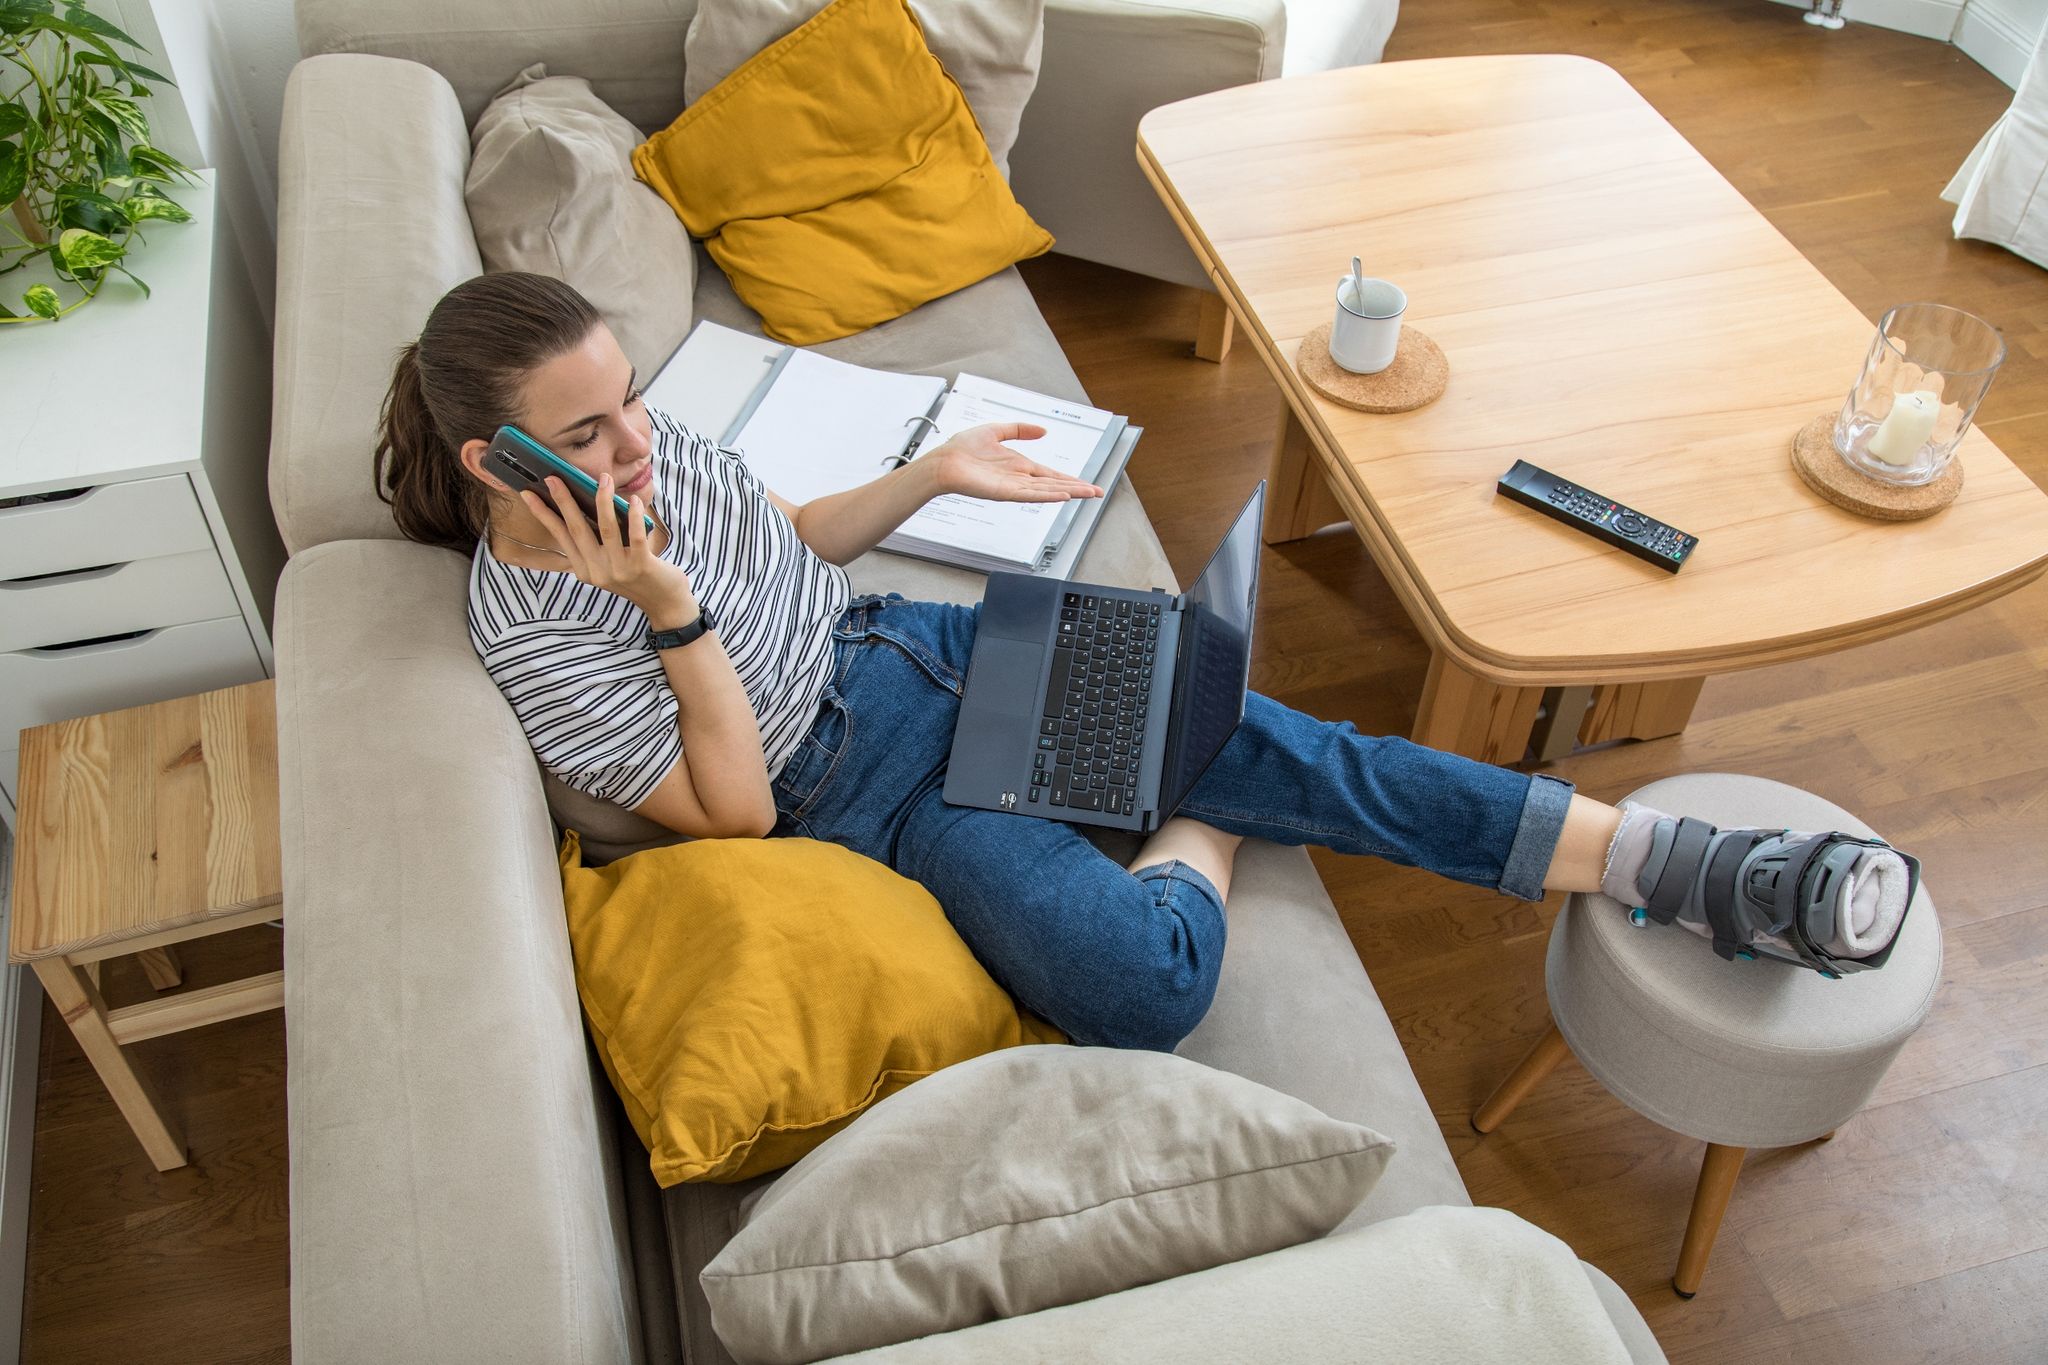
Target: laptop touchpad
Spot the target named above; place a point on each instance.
(1005, 677)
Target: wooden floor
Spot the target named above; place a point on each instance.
(1919, 1234)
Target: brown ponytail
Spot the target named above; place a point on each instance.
(461, 381)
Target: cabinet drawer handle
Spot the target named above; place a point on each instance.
(31, 501)
(99, 644)
(75, 575)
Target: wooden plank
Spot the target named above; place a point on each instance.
(145, 820)
(78, 1002)
(161, 966)
(194, 1009)
(1644, 710)
(1465, 714)
(1298, 497)
(1213, 332)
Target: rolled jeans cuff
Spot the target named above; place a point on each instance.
(1536, 836)
(1168, 873)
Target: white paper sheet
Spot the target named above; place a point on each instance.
(827, 426)
(1010, 532)
(711, 376)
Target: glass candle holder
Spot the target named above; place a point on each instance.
(1928, 368)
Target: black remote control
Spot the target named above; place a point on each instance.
(1602, 518)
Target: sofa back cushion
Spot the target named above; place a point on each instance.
(630, 50)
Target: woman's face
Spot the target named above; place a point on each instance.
(585, 406)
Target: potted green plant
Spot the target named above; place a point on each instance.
(78, 175)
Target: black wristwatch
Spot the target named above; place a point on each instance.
(676, 639)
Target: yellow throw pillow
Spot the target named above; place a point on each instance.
(751, 997)
(839, 178)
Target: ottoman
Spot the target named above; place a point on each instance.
(1737, 1054)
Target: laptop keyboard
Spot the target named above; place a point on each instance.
(1093, 728)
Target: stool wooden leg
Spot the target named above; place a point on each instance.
(1709, 1202)
(78, 1000)
(162, 966)
(1550, 1049)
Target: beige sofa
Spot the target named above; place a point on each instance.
(462, 1185)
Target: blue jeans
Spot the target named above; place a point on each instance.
(1111, 957)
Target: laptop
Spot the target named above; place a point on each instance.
(1100, 705)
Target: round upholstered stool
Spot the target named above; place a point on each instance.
(1737, 1054)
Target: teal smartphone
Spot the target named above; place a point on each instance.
(524, 463)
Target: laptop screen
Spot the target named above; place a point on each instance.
(1216, 643)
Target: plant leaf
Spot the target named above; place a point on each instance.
(97, 214)
(124, 113)
(13, 172)
(146, 204)
(14, 117)
(140, 283)
(42, 301)
(84, 250)
(16, 15)
(86, 19)
(101, 129)
(151, 164)
(129, 71)
(78, 31)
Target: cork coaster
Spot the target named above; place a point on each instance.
(1828, 474)
(1417, 376)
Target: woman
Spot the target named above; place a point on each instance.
(787, 706)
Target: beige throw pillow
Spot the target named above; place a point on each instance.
(1030, 1178)
(551, 190)
(989, 47)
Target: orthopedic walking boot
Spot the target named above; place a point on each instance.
(1832, 902)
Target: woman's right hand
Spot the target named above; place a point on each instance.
(619, 561)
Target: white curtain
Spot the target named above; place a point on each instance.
(2001, 192)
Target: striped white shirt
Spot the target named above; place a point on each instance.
(574, 661)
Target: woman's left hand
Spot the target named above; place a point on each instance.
(976, 464)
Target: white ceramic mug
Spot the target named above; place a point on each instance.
(1367, 329)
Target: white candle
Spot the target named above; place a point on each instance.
(1906, 428)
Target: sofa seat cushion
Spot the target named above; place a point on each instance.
(1440, 1286)
(1024, 1180)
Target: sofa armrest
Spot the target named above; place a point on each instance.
(1108, 63)
(448, 1185)
(371, 231)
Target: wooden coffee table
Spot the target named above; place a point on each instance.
(1613, 310)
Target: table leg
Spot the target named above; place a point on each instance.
(1709, 1202)
(1543, 1058)
(162, 967)
(1649, 710)
(1463, 713)
(1213, 332)
(78, 1000)
(1298, 497)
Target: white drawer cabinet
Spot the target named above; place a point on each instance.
(138, 557)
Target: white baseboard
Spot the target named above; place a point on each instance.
(21, 1020)
(1991, 39)
(1922, 18)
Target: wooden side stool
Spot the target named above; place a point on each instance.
(1734, 1054)
(139, 829)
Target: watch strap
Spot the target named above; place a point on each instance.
(681, 635)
